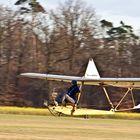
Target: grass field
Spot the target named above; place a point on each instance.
(32, 127)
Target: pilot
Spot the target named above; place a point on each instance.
(72, 95)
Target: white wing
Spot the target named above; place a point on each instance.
(51, 77)
(117, 82)
(91, 77)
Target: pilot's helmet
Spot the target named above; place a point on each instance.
(74, 82)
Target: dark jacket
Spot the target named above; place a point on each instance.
(73, 90)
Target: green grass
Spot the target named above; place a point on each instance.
(33, 127)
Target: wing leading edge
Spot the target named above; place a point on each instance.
(51, 77)
(117, 82)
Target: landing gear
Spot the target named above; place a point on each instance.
(52, 109)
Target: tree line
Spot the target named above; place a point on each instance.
(60, 41)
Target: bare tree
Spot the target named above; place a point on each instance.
(75, 24)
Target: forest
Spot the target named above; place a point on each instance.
(61, 41)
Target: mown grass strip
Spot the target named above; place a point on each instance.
(123, 115)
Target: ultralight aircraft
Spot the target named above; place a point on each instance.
(91, 77)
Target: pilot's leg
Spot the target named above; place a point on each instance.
(71, 100)
(64, 100)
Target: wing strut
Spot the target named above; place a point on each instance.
(129, 90)
(111, 104)
(81, 90)
(122, 98)
(132, 98)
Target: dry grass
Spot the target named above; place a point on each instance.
(32, 127)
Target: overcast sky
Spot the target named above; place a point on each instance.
(112, 10)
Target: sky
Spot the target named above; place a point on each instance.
(111, 10)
